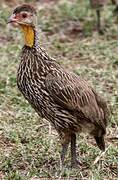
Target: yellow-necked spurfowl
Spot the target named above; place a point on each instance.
(66, 100)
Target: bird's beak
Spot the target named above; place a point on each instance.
(12, 19)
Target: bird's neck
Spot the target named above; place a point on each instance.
(30, 35)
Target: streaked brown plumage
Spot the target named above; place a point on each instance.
(63, 98)
(98, 4)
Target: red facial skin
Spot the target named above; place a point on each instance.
(17, 19)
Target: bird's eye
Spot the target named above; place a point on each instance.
(24, 15)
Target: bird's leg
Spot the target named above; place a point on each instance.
(64, 152)
(99, 21)
(74, 161)
(65, 139)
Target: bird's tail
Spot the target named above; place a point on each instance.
(100, 142)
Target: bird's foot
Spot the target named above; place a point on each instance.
(102, 31)
(76, 163)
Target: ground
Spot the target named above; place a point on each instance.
(29, 147)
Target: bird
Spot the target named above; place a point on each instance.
(65, 99)
(97, 5)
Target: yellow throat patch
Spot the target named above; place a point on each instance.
(28, 35)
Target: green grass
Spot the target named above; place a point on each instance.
(28, 147)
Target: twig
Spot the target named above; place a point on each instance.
(101, 155)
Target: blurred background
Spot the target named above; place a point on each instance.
(29, 147)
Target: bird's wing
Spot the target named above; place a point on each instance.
(74, 93)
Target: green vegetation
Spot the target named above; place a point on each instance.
(29, 148)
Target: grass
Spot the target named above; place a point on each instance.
(29, 148)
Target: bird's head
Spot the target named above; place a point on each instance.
(24, 16)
